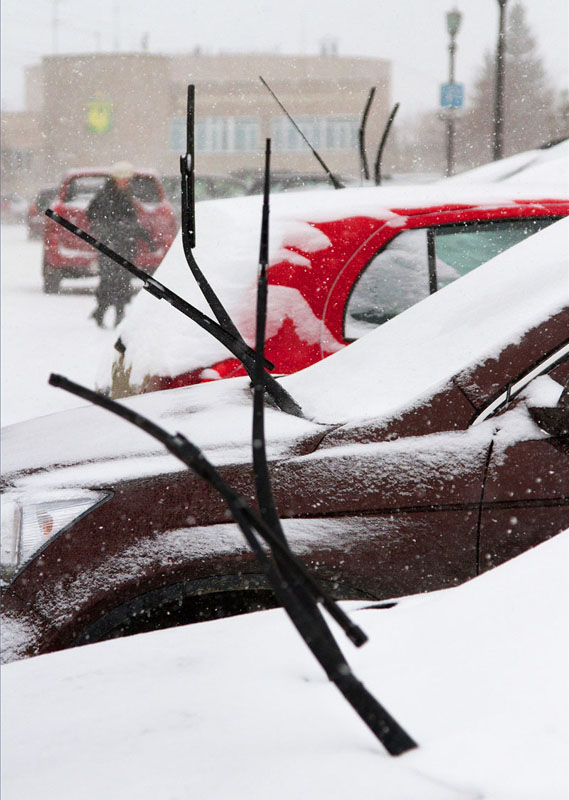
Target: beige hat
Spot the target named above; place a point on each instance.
(122, 169)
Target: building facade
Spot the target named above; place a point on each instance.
(95, 109)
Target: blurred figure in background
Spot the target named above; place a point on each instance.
(113, 218)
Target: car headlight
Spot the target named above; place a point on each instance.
(29, 522)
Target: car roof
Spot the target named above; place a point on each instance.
(78, 172)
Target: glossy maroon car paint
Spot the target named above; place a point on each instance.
(420, 496)
(66, 256)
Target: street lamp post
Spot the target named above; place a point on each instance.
(499, 91)
(453, 24)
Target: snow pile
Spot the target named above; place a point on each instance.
(239, 708)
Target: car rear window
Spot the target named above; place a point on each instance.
(83, 188)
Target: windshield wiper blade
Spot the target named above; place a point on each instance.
(383, 142)
(295, 594)
(188, 220)
(318, 638)
(236, 346)
(361, 134)
(337, 184)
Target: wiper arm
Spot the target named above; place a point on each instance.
(333, 179)
(323, 646)
(188, 219)
(383, 142)
(236, 346)
(361, 134)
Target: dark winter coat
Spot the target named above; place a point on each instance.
(113, 218)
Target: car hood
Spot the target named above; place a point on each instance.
(87, 446)
(391, 370)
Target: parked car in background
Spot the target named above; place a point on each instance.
(36, 212)
(427, 452)
(206, 187)
(12, 209)
(341, 263)
(66, 256)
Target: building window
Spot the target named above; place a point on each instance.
(218, 135)
(323, 132)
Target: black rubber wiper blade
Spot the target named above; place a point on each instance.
(188, 221)
(383, 142)
(333, 179)
(361, 134)
(241, 351)
(387, 730)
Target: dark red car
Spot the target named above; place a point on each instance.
(426, 453)
(66, 256)
(341, 264)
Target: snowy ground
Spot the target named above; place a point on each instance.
(43, 333)
(238, 708)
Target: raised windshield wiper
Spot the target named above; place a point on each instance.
(383, 142)
(282, 578)
(337, 184)
(361, 135)
(295, 588)
(188, 221)
(235, 345)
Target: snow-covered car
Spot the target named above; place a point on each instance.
(65, 256)
(477, 673)
(416, 463)
(341, 263)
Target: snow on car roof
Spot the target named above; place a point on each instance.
(465, 323)
(238, 708)
(548, 166)
(227, 238)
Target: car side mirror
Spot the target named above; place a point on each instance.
(554, 420)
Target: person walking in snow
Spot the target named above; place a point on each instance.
(113, 218)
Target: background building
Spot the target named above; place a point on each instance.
(92, 110)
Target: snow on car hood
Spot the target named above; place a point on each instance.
(238, 707)
(88, 446)
(161, 341)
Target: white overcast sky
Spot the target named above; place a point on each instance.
(410, 33)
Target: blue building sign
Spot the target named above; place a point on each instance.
(452, 95)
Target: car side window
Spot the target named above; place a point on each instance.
(398, 276)
(395, 279)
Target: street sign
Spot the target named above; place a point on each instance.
(452, 95)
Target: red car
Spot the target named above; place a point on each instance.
(65, 256)
(341, 264)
